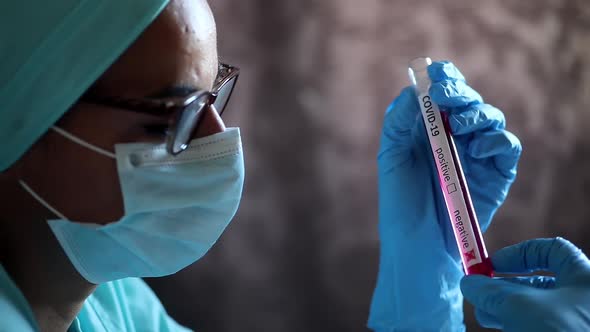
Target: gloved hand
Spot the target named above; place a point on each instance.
(537, 303)
(420, 270)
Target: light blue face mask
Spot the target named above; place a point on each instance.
(175, 209)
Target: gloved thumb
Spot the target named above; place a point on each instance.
(400, 119)
(489, 294)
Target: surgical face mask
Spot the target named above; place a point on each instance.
(176, 207)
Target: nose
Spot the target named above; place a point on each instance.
(210, 123)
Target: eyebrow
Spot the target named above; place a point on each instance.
(175, 91)
(181, 90)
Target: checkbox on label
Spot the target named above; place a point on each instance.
(451, 188)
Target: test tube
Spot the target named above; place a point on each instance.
(474, 255)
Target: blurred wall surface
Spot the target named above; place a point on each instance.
(302, 253)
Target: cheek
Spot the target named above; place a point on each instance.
(79, 183)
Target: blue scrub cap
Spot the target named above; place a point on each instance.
(51, 52)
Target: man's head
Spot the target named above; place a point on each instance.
(178, 50)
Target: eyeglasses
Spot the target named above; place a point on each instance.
(187, 110)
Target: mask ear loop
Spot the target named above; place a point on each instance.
(41, 200)
(83, 143)
(78, 141)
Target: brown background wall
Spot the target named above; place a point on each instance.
(301, 255)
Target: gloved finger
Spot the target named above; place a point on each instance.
(487, 320)
(476, 118)
(444, 71)
(557, 255)
(399, 120)
(453, 94)
(540, 282)
(489, 294)
(501, 145)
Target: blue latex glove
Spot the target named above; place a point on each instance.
(537, 303)
(420, 270)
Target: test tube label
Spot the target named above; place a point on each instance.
(449, 182)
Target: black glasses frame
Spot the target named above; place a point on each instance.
(186, 110)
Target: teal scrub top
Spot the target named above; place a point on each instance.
(126, 305)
